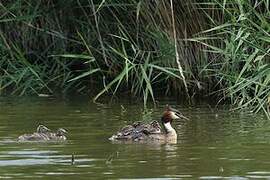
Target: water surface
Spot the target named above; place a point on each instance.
(215, 143)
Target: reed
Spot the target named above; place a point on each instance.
(239, 36)
(192, 48)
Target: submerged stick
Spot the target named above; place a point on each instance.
(72, 159)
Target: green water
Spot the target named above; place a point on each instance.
(215, 143)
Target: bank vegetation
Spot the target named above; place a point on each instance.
(192, 48)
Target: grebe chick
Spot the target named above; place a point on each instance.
(40, 135)
(59, 135)
(42, 129)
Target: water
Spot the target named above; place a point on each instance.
(214, 144)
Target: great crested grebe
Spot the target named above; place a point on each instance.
(40, 135)
(44, 134)
(139, 131)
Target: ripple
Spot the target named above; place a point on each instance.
(25, 162)
(258, 177)
(57, 173)
(6, 177)
(154, 178)
(29, 152)
(260, 172)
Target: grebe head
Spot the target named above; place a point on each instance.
(42, 129)
(61, 132)
(169, 115)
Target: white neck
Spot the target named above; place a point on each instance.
(171, 134)
(168, 127)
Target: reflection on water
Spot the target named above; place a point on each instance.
(214, 144)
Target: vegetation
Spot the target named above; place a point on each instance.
(193, 48)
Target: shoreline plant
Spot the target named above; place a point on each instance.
(194, 48)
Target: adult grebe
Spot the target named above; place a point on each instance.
(139, 131)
